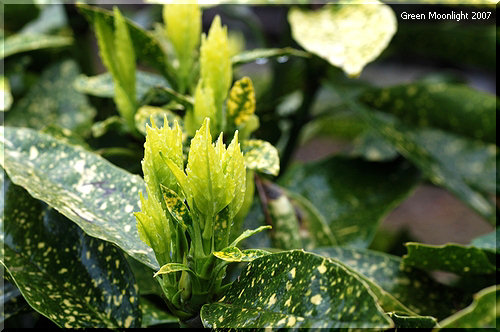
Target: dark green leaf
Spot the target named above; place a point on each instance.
(451, 42)
(458, 164)
(54, 101)
(451, 107)
(166, 94)
(352, 194)
(264, 53)
(295, 289)
(411, 287)
(482, 313)
(412, 322)
(87, 189)
(153, 315)
(449, 257)
(102, 85)
(28, 42)
(11, 300)
(71, 278)
(146, 47)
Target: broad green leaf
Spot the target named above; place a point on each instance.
(241, 102)
(488, 242)
(450, 257)
(233, 254)
(295, 289)
(11, 299)
(347, 125)
(448, 42)
(348, 36)
(450, 161)
(352, 194)
(144, 278)
(54, 101)
(87, 189)
(482, 313)
(143, 117)
(29, 42)
(102, 85)
(412, 322)
(411, 287)
(75, 280)
(146, 47)
(5, 94)
(153, 315)
(261, 156)
(451, 107)
(265, 53)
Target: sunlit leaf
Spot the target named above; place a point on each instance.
(348, 35)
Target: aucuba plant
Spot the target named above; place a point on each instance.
(188, 214)
(198, 187)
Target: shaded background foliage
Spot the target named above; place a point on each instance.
(351, 177)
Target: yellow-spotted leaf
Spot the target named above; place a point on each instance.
(54, 101)
(399, 288)
(233, 254)
(295, 289)
(482, 313)
(83, 186)
(348, 35)
(465, 167)
(171, 268)
(261, 156)
(73, 279)
(241, 102)
(450, 257)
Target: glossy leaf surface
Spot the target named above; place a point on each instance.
(449, 257)
(295, 289)
(87, 189)
(54, 101)
(71, 278)
(352, 194)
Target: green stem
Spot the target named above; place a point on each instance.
(314, 73)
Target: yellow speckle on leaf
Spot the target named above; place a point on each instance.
(316, 299)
